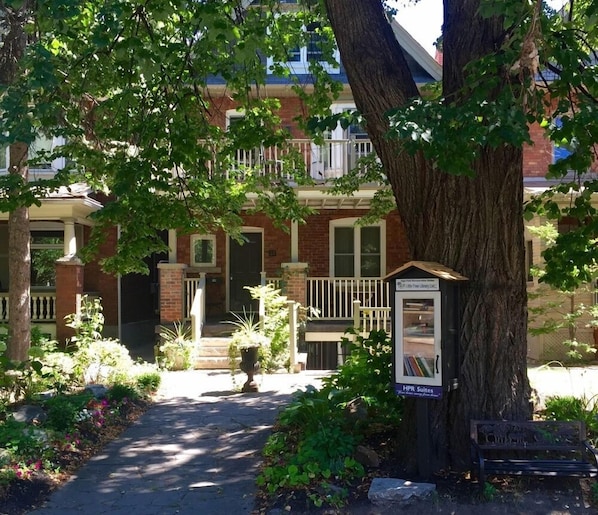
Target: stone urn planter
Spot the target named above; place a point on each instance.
(246, 341)
(250, 364)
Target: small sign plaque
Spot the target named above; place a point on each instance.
(418, 390)
(417, 285)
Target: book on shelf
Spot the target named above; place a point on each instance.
(418, 366)
(427, 365)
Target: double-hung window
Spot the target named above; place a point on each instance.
(357, 251)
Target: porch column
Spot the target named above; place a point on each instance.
(294, 241)
(69, 289)
(294, 277)
(172, 243)
(70, 240)
(172, 292)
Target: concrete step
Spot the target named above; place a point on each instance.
(211, 363)
(214, 341)
(212, 353)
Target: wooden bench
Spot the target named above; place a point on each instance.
(532, 448)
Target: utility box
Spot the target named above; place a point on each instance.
(426, 327)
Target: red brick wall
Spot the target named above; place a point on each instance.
(101, 283)
(397, 247)
(69, 284)
(295, 287)
(171, 293)
(314, 246)
(538, 156)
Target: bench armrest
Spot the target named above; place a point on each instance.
(591, 451)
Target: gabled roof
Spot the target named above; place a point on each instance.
(423, 66)
(431, 267)
(416, 52)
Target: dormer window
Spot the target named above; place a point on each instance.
(299, 58)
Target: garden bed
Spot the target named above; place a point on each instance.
(33, 484)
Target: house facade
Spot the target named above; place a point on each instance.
(330, 262)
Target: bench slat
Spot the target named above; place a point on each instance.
(501, 438)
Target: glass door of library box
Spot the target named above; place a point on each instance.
(418, 353)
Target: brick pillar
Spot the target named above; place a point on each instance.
(69, 289)
(294, 276)
(172, 291)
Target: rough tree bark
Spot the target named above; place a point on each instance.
(14, 41)
(473, 225)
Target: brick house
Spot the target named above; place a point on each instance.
(327, 263)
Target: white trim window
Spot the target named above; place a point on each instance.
(299, 58)
(357, 251)
(203, 250)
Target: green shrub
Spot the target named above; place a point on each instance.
(315, 440)
(102, 361)
(574, 408)
(63, 410)
(367, 375)
(20, 440)
(148, 382)
(118, 392)
(175, 351)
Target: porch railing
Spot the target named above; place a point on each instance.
(43, 307)
(333, 297)
(371, 319)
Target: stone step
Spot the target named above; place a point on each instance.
(214, 341)
(212, 352)
(211, 363)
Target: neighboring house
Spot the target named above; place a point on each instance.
(327, 263)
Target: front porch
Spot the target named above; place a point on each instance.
(341, 303)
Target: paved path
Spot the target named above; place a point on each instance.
(196, 451)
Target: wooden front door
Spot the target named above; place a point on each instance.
(245, 266)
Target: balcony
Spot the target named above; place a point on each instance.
(330, 160)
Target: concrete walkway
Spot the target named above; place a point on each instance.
(196, 450)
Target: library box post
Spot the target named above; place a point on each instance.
(426, 325)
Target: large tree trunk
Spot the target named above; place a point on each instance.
(19, 264)
(473, 225)
(14, 41)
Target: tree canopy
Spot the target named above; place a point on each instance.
(130, 86)
(135, 89)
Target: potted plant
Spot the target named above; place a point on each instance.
(175, 350)
(246, 340)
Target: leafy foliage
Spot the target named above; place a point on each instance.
(574, 408)
(274, 326)
(315, 438)
(126, 85)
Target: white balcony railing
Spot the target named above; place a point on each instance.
(330, 160)
(43, 307)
